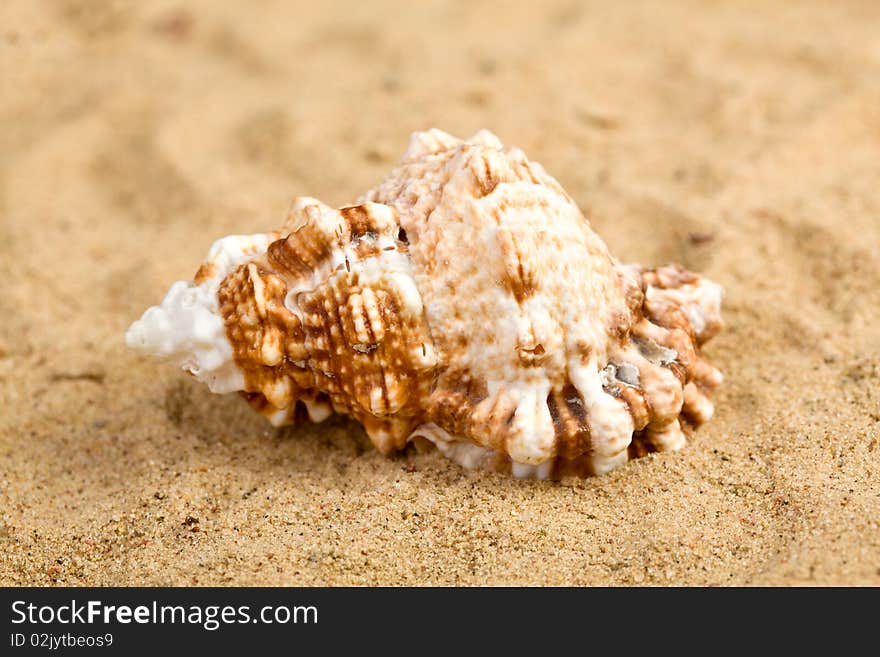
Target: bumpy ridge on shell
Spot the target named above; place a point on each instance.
(466, 301)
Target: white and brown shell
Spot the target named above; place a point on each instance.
(464, 300)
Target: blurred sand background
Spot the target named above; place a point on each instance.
(741, 139)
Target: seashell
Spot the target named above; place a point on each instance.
(465, 301)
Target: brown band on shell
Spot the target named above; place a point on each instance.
(358, 220)
(667, 315)
(678, 370)
(638, 405)
(640, 446)
(206, 272)
(486, 174)
(490, 422)
(297, 258)
(452, 404)
(519, 276)
(570, 422)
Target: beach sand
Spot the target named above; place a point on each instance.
(742, 142)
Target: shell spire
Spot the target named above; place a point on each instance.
(464, 300)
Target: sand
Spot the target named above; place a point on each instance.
(742, 142)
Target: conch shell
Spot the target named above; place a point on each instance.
(464, 300)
